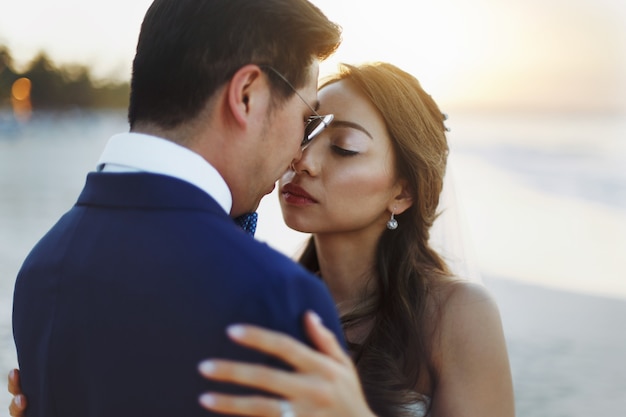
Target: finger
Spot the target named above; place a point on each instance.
(253, 406)
(14, 382)
(323, 339)
(293, 352)
(17, 406)
(272, 380)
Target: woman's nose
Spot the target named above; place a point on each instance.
(307, 162)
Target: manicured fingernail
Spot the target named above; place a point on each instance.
(12, 373)
(207, 400)
(19, 401)
(207, 367)
(236, 331)
(315, 317)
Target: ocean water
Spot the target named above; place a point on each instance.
(544, 197)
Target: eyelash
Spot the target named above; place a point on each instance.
(343, 152)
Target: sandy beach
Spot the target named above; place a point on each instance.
(567, 350)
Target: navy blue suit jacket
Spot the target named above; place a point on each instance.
(118, 303)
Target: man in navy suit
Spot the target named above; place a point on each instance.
(118, 303)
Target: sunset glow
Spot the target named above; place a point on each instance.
(512, 54)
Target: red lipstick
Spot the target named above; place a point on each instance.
(296, 195)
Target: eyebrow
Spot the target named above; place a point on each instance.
(351, 125)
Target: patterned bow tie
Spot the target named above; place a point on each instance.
(247, 222)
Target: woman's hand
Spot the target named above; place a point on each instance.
(323, 383)
(18, 403)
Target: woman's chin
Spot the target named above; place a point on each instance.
(295, 224)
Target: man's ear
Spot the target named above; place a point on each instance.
(245, 91)
(402, 199)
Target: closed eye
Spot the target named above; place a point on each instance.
(343, 152)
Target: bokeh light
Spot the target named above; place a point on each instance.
(20, 99)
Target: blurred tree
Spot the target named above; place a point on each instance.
(7, 76)
(48, 89)
(61, 87)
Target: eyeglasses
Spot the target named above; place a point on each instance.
(314, 124)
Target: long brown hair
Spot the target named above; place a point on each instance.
(396, 352)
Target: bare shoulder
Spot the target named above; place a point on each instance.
(471, 357)
(469, 323)
(461, 292)
(466, 304)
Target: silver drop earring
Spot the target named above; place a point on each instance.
(392, 224)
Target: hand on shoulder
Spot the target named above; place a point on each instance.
(323, 382)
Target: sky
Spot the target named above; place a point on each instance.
(513, 54)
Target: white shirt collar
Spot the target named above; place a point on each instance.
(136, 152)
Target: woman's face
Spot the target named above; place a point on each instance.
(345, 180)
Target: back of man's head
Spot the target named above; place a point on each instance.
(187, 49)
